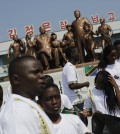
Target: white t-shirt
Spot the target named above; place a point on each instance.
(70, 124)
(65, 102)
(22, 116)
(69, 75)
(114, 70)
(98, 102)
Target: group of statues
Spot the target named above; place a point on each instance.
(51, 52)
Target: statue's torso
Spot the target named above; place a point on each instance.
(69, 36)
(78, 26)
(104, 30)
(43, 43)
(16, 47)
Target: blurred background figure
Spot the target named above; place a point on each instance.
(43, 47)
(90, 42)
(106, 32)
(79, 34)
(58, 55)
(69, 37)
(30, 46)
(18, 47)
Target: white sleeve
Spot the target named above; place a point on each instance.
(71, 74)
(66, 102)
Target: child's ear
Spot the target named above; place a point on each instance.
(15, 79)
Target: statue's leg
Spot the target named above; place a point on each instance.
(109, 41)
(87, 46)
(81, 50)
(92, 50)
(103, 44)
(44, 59)
(63, 56)
(16, 54)
(56, 57)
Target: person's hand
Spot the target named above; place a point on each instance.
(84, 113)
(112, 81)
(87, 84)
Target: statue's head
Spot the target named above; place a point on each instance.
(54, 36)
(77, 14)
(102, 20)
(28, 35)
(68, 27)
(15, 37)
(42, 29)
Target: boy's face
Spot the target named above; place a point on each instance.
(51, 101)
(31, 77)
(76, 55)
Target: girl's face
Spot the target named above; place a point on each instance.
(99, 82)
(112, 56)
(51, 100)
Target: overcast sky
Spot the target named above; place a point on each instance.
(19, 13)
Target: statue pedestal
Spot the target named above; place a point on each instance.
(77, 66)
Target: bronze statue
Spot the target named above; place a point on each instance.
(18, 47)
(43, 45)
(57, 52)
(79, 33)
(30, 46)
(90, 41)
(106, 33)
(68, 37)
